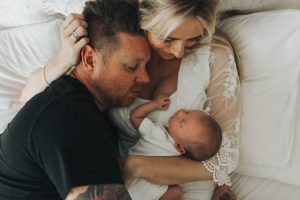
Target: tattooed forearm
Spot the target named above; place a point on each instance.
(104, 192)
(226, 196)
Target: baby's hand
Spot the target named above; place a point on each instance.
(162, 102)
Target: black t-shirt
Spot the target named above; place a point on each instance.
(57, 141)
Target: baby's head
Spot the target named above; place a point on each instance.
(197, 135)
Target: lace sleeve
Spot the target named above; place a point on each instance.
(223, 104)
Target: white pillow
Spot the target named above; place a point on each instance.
(23, 50)
(268, 44)
(15, 13)
(257, 5)
(64, 7)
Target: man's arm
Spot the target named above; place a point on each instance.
(138, 114)
(99, 192)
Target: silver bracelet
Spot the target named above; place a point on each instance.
(44, 71)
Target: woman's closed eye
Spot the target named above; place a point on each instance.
(169, 40)
(196, 39)
(193, 41)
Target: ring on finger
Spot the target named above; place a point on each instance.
(76, 36)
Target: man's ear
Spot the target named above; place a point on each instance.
(180, 148)
(89, 57)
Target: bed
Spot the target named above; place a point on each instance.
(266, 37)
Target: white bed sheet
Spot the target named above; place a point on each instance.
(22, 50)
(251, 188)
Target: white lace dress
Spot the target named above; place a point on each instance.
(207, 80)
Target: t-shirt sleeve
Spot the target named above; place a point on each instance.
(73, 146)
(146, 127)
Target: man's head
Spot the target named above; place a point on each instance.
(113, 65)
(197, 135)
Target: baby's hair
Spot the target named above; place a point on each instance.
(200, 151)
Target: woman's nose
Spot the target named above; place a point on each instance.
(178, 49)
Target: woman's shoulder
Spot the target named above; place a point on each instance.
(220, 42)
(222, 50)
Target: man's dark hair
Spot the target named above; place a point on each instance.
(106, 18)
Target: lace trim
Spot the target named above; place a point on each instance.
(231, 82)
(212, 57)
(226, 160)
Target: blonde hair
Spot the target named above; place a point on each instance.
(164, 16)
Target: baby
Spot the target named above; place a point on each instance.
(191, 133)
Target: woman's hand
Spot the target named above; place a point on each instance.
(73, 37)
(73, 34)
(163, 169)
(223, 193)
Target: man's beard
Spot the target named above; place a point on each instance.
(113, 101)
(110, 100)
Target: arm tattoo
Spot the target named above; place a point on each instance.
(105, 192)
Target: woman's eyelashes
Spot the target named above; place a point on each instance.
(168, 40)
(188, 43)
(196, 39)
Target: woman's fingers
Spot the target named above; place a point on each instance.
(81, 43)
(74, 36)
(71, 18)
(75, 24)
(78, 34)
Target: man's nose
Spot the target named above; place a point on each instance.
(143, 77)
(178, 49)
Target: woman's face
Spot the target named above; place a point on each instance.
(188, 34)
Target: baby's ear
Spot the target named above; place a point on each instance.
(180, 148)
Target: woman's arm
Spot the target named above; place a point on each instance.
(68, 56)
(164, 170)
(223, 103)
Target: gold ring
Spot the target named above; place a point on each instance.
(75, 35)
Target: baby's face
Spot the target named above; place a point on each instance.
(185, 124)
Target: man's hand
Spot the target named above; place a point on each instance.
(223, 193)
(162, 102)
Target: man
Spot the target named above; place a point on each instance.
(60, 145)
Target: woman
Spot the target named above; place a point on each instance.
(193, 68)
